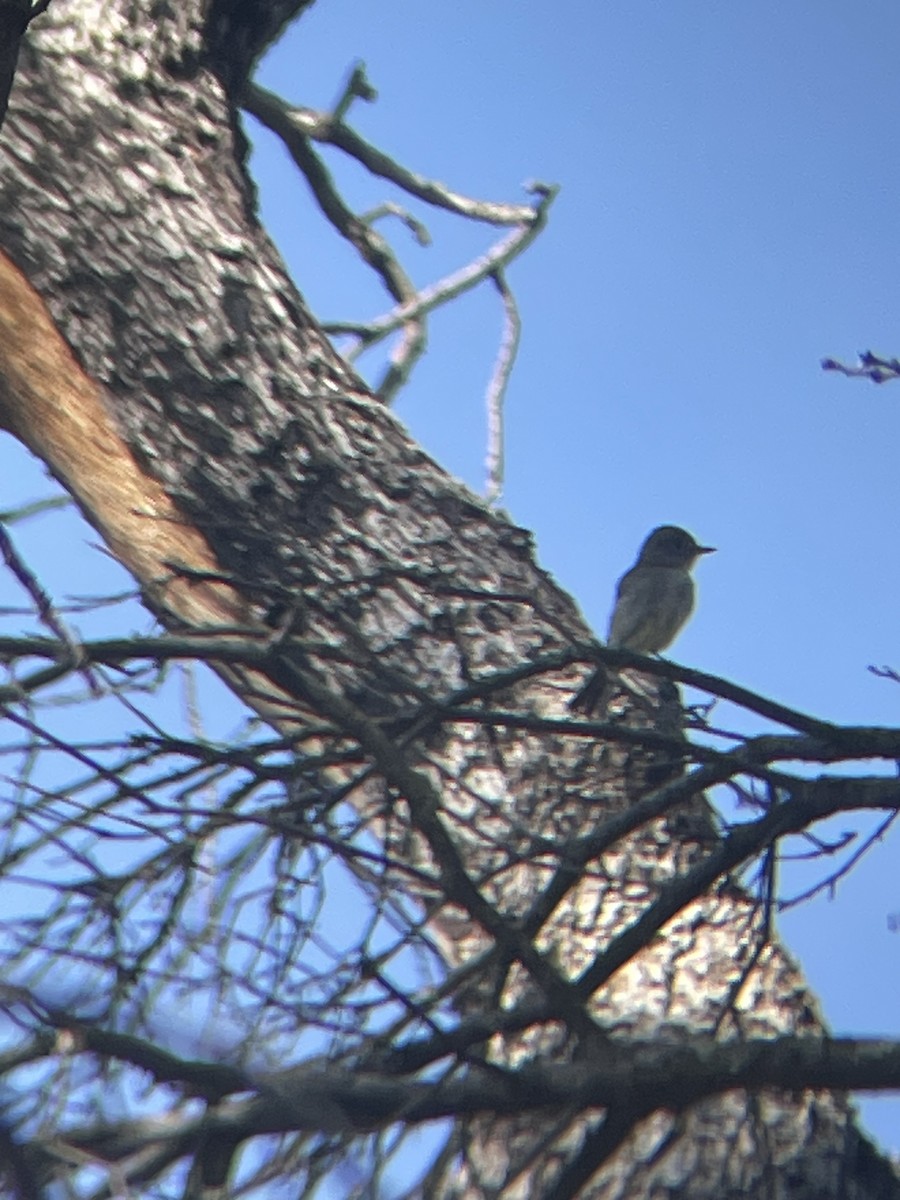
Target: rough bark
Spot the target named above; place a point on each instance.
(242, 443)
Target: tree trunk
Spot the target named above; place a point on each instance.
(200, 419)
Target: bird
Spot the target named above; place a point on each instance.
(653, 601)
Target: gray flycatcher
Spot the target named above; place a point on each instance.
(653, 601)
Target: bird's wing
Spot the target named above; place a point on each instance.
(652, 604)
(629, 609)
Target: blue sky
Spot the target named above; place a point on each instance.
(728, 216)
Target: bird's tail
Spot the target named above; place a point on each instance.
(594, 695)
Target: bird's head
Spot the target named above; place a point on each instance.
(670, 546)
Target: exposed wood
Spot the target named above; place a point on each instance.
(50, 403)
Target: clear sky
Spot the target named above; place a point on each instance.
(728, 216)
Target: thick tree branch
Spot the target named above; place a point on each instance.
(635, 1075)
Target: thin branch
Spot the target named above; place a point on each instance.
(830, 884)
(44, 605)
(289, 121)
(297, 128)
(453, 285)
(809, 801)
(506, 357)
(389, 209)
(870, 366)
(424, 804)
(357, 87)
(716, 685)
(373, 249)
(818, 741)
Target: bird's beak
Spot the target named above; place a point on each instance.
(706, 549)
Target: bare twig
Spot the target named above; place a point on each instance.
(357, 87)
(390, 209)
(298, 127)
(44, 605)
(830, 883)
(499, 256)
(373, 249)
(870, 366)
(288, 121)
(506, 356)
